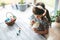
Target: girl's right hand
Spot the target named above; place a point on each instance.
(32, 22)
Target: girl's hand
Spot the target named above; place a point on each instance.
(33, 22)
(35, 30)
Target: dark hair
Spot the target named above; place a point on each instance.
(38, 11)
(58, 19)
(47, 12)
(41, 4)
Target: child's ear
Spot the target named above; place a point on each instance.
(44, 13)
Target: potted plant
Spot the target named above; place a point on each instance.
(3, 4)
(22, 5)
(58, 13)
(54, 17)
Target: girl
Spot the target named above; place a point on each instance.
(39, 22)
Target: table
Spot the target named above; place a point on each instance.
(10, 32)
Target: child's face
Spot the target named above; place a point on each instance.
(38, 16)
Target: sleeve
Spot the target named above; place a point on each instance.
(47, 27)
(31, 17)
(32, 20)
(46, 24)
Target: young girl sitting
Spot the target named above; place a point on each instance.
(54, 31)
(39, 22)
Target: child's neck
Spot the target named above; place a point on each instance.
(39, 18)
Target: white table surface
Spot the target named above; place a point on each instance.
(10, 32)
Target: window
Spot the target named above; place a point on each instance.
(59, 5)
(50, 4)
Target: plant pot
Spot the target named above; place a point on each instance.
(15, 6)
(22, 7)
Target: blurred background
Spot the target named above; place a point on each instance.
(52, 5)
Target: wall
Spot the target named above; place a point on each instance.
(59, 5)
